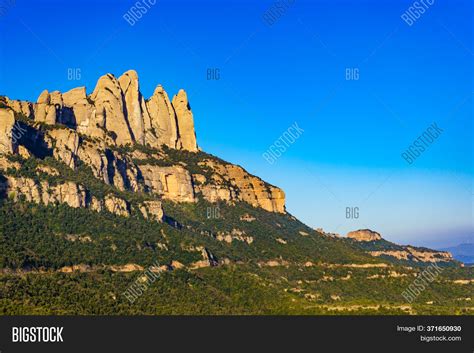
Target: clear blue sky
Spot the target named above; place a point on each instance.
(293, 71)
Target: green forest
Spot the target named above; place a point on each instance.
(37, 241)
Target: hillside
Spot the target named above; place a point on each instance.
(374, 244)
(97, 190)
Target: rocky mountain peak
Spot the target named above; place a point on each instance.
(43, 97)
(117, 110)
(364, 235)
(185, 120)
(122, 142)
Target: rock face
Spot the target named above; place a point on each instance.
(152, 210)
(117, 111)
(65, 146)
(72, 194)
(118, 206)
(364, 235)
(21, 107)
(111, 112)
(416, 255)
(7, 121)
(78, 111)
(387, 249)
(135, 109)
(231, 182)
(235, 234)
(164, 127)
(127, 143)
(172, 183)
(185, 121)
(44, 110)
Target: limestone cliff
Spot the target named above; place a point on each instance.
(364, 235)
(185, 121)
(416, 255)
(7, 121)
(70, 193)
(231, 182)
(373, 243)
(117, 112)
(127, 143)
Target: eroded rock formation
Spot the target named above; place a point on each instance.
(232, 182)
(416, 255)
(101, 131)
(7, 121)
(384, 248)
(364, 235)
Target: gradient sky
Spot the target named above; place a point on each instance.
(292, 71)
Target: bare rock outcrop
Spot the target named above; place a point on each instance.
(117, 206)
(72, 194)
(44, 111)
(104, 131)
(117, 112)
(109, 166)
(78, 111)
(110, 110)
(185, 120)
(172, 183)
(152, 210)
(65, 144)
(214, 193)
(20, 107)
(94, 156)
(135, 107)
(22, 187)
(247, 218)
(209, 260)
(5, 163)
(164, 127)
(69, 193)
(364, 235)
(415, 255)
(232, 182)
(235, 234)
(7, 122)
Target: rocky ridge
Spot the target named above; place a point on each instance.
(416, 255)
(125, 141)
(374, 244)
(364, 235)
(116, 113)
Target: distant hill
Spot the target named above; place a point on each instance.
(462, 252)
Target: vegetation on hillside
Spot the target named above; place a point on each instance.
(36, 241)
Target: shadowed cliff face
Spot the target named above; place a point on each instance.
(127, 143)
(3, 189)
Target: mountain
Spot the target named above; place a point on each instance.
(118, 136)
(373, 243)
(106, 197)
(462, 252)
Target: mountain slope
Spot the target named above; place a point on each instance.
(98, 189)
(373, 243)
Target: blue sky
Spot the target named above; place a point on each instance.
(293, 71)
